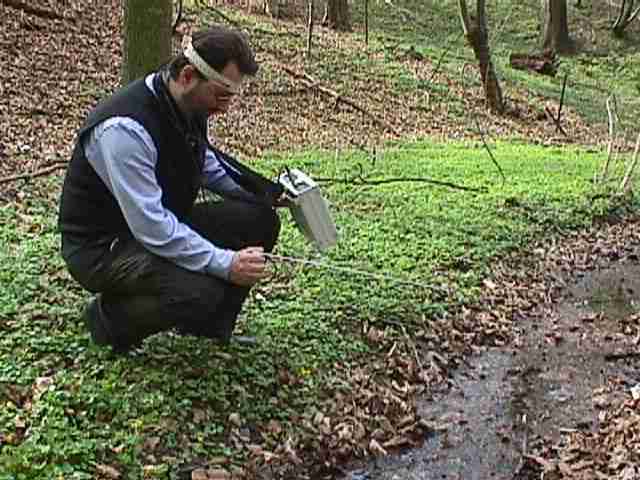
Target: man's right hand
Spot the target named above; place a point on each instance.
(248, 266)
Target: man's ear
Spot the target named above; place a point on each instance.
(188, 75)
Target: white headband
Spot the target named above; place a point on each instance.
(203, 67)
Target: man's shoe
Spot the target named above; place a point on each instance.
(97, 323)
(94, 320)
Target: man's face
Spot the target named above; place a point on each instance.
(208, 97)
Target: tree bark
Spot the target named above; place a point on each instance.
(478, 37)
(556, 27)
(338, 16)
(147, 37)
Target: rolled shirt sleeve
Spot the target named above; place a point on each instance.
(124, 156)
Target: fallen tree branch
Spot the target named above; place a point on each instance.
(313, 84)
(32, 9)
(358, 180)
(37, 173)
(610, 357)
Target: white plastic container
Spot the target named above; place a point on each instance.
(309, 209)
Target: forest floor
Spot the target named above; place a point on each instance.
(518, 274)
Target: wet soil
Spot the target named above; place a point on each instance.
(546, 384)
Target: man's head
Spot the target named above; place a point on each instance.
(205, 77)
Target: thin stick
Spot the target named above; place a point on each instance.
(310, 29)
(352, 271)
(366, 22)
(480, 131)
(625, 185)
(361, 181)
(37, 173)
(486, 147)
(611, 118)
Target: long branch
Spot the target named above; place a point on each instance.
(383, 181)
(37, 173)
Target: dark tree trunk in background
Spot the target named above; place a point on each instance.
(626, 15)
(555, 27)
(338, 16)
(147, 37)
(476, 33)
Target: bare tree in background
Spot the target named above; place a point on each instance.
(555, 27)
(147, 37)
(476, 33)
(337, 15)
(627, 14)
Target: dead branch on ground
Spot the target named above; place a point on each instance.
(313, 84)
(359, 180)
(37, 173)
(32, 9)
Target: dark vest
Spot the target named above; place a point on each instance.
(88, 209)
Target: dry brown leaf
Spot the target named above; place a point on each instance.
(108, 471)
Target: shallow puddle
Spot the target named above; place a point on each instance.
(508, 398)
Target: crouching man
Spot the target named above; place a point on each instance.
(132, 232)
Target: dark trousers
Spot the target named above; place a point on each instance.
(143, 294)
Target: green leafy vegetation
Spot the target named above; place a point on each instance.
(69, 407)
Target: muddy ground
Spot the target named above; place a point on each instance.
(508, 402)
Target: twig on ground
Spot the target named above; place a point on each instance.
(313, 84)
(32, 9)
(358, 180)
(37, 173)
(621, 356)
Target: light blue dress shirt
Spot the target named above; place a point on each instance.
(123, 154)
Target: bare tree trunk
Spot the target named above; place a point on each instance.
(478, 37)
(626, 15)
(338, 16)
(147, 37)
(556, 27)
